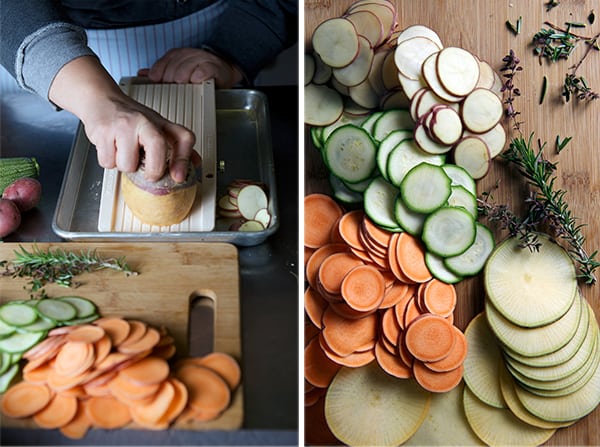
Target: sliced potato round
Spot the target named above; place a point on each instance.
(458, 70)
(309, 68)
(427, 144)
(429, 72)
(395, 100)
(446, 125)
(364, 95)
(481, 110)
(530, 288)
(486, 75)
(428, 101)
(410, 86)
(419, 31)
(499, 426)
(389, 72)
(358, 70)
(322, 105)
(482, 362)
(411, 53)
(322, 72)
(336, 41)
(376, 74)
(384, 10)
(539, 340)
(368, 25)
(495, 138)
(367, 406)
(472, 154)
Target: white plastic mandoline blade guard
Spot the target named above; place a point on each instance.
(193, 106)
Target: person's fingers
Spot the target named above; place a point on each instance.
(181, 150)
(203, 72)
(155, 148)
(127, 152)
(143, 72)
(157, 71)
(106, 153)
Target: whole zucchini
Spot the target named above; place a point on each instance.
(14, 168)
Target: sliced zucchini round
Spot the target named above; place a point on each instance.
(350, 153)
(425, 188)
(448, 231)
(471, 261)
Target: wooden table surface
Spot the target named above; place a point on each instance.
(480, 27)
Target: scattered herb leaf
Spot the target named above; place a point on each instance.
(551, 4)
(591, 17)
(560, 145)
(516, 27)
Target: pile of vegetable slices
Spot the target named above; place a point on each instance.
(112, 372)
(405, 127)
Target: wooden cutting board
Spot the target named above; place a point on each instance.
(480, 27)
(170, 276)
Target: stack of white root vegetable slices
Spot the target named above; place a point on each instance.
(534, 356)
(114, 373)
(374, 310)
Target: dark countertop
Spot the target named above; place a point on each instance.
(268, 279)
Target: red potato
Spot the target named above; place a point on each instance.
(10, 217)
(25, 193)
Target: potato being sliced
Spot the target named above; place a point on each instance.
(367, 406)
(336, 41)
(458, 70)
(499, 426)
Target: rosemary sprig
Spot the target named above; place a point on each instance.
(546, 206)
(58, 266)
(561, 144)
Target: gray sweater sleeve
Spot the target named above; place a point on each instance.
(36, 42)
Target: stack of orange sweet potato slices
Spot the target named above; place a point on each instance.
(371, 297)
(113, 372)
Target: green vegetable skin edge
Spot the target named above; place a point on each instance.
(15, 168)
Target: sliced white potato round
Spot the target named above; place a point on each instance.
(446, 423)
(414, 103)
(251, 198)
(499, 426)
(384, 10)
(263, 216)
(410, 86)
(498, 84)
(481, 110)
(389, 72)
(428, 101)
(368, 25)
(376, 74)
(566, 352)
(564, 408)
(495, 138)
(322, 105)
(483, 359)
(342, 89)
(309, 68)
(364, 95)
(486, 75)
(427, 144)
(430, 75)
(507, 385)
(358, 70)
(458, 70)
(472, 154)
(322, 72)
(411, 53)
(538, 340)
(251, 225)
(530, 288)
(419, 31)
(446, 125)
(336, 41)
(366, 406)
(395, 100)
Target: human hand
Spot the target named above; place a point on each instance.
(121, 127)
(192, 65)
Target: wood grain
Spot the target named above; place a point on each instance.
(170, 276)
(479, 26)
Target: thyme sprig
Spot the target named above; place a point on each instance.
(546, 205)
(58, 266)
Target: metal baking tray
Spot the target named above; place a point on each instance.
(244, 151)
